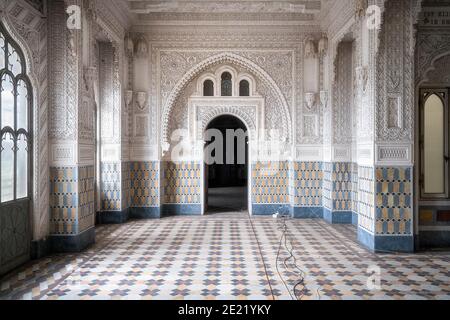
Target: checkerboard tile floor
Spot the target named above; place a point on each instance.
(228, 256)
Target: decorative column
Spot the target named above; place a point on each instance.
(394, 132)
(337, 167)
(71, 137)
(115, 166)
(145, 167)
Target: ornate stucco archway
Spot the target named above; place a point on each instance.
(232, 59)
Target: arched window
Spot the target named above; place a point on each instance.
(208, 88)
(244, 88)
(15, 106)
(227, 86)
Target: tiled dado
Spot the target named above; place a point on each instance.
(111, 186)
(270, 188)
(86, 190)
(338, 192)
(366, 199)
(115, 192)
(144, 189)
(72, 208)
(393, 214)
(182, 188)
(386, 226)
(306, 192)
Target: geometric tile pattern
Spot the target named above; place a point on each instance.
(111, 186)
(307, 184)
(394, 201)
(144, 184)
(227, 256)
(354, 192)
(270, 182)
(342, 186)
(328, 185)
(86, 195)
(182, 183)
(64, 200)
(366, 198)
(126, 185)
(71, 199)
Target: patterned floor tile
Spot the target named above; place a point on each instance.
(228, 256)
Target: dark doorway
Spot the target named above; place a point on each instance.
(226, 181)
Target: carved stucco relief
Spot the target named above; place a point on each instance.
(273, 113)
(395, 74)
(431, 46)
(32, 38)
(170, 99)
(171, 60)
(439, 74)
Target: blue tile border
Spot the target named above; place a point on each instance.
(337, 217)
(366, 239)
(145, 213)
(113, 217)
(386, 244)
(308, 212)
(394, 244)
(76, 243)
(270, 209)
(181, 210)
(354, 218)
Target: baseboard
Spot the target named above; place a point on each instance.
(113, 217)
(308, 212)
(75, 243)
(393, 244)
(386, 244)
(145, 213)
(337, 217)
(40, 248)
(181, 210)
(354, 218)
(270, 209)
(366, 239)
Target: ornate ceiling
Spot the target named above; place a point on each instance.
(227, 12)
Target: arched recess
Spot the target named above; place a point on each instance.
(33, 46)
(234, 175)
(232, 59)
(16, 153)
(431, 67)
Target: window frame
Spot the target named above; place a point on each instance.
(17, 132)
(204, 88)
(441, 93)
(222, 80)
(241, 88)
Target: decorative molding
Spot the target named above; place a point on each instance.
(203, 110)
(236, 60)
(29, 30)
(63, 154)
(309, 153)
(341, 153)
(394, 155)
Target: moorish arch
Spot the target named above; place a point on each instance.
(233, 60)
(32, 45)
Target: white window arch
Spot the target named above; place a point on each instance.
(15, 122)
